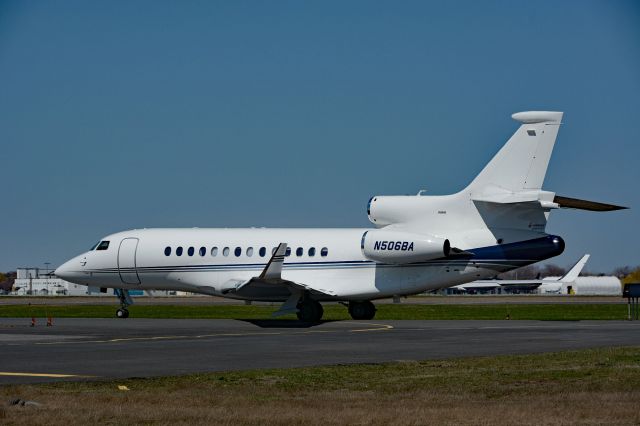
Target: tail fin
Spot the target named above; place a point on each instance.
(522, 162)
(575, 270)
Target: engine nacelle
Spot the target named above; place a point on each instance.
(385, 210)
(390, 246)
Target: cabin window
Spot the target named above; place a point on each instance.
(190, 251)
(103, 245)
(262, 251)
(288, 253)
(203, 251)
(167, 251)
(324, 252)
(179, 251)
(312, 251)
(225, 251)
(250, 251)
(238, 251)
(299, 251)
(214, 251)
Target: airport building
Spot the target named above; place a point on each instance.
(584, 286)
(36, 282)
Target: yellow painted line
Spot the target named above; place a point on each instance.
(371, 327)
(378, 327)
(54, 376)
(152, 338)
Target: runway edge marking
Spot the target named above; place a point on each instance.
(372, 327)
(49, 375)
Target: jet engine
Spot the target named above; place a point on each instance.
(386, 210)
(391, 246)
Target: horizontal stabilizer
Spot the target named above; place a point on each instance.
(575, 203)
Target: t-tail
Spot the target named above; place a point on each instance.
(522, 162)
(501, 214)
(516, 173)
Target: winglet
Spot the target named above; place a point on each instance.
(575, 270)
(274, 267)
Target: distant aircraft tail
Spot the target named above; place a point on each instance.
(522, 162)
(575, 270)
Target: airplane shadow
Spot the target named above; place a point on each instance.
(283, 323)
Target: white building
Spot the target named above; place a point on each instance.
(35, 282)
(583, 286)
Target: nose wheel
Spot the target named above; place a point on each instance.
(122, 313)
(125, 301)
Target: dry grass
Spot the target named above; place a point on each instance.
(586, 387)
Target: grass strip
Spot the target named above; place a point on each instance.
(557, 312)
(598, 386)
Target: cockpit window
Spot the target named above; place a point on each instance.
(103, 245)
(94, 246)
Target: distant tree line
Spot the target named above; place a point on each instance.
(6, 280)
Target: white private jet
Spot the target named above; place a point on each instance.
(547, 285)
(419, 243)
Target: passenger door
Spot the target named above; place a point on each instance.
(127, 261)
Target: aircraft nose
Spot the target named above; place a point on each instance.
(72, 270)
(62, 271)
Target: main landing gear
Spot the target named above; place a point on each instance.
(309, 310)
(362, 310)
(125, 301)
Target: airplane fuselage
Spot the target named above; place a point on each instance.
(209, 261)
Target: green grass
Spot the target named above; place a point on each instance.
(597, 386)
(573, 311)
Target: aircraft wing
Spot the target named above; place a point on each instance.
(505, 284)
(271, 283)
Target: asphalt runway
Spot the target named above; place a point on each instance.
(81, 349)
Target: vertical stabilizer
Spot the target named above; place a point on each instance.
(575, 270)
(522, 162)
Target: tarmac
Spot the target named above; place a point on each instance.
(99, 349)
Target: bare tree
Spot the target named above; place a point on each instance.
(551, 270)
(529, 272)
(622, 271)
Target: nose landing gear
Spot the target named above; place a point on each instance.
(122, 313)
(125, 301)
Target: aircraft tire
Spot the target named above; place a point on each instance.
(310, 311)
(122, 313)
(362, 310)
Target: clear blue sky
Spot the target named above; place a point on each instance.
(118, 115)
